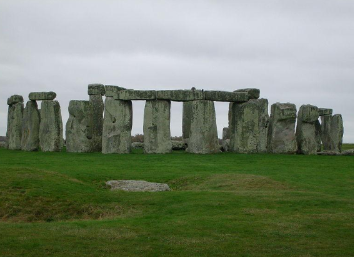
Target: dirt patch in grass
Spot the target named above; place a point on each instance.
(228, 182)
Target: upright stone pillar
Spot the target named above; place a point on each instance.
(157, 133)
(96, 91)
(203, 136)
(226, 139)
(249, 126)
(78, 130)
(318, 135)
(306, 129)
(14, 122)
(30, 127)
(51, 127)
(331, 130)
(281, 131)
(186, 121)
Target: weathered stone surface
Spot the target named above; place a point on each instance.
(78, 130)
(180, 95)
(203, 138)
(178, 145)
(14, 123)
(253, 93)
(329, 153)
(14, 99)
(225, 133)
(325, 111)
(42, 96)
(225, 139)
(318, 135)
(281, 131)
(249, 126)
(117, 126)
(96, 122)
(224, 96)
(30, 127)
(137, 145)
(111, 90)
(135, 95)
(137, 186)
(51, 127)
(349, 152)
(157, 133)
(96, 89)
(332, 132)
(306, 129)
(186, 121)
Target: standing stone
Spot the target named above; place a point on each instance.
(51, 127)
(318, 135)
(203, 136)
(306, 130)
(225, 139)
(14, 122)
(78, 130)
(186, 121)
(157, 133)
(96, 91)
(30, 127)
(332, 132)
(248, 126)
(117, 126)
(281, 131)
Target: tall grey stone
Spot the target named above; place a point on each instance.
(30, 127)
(78, 130)
(157, 133)
(225, 139)
(117, 126)
(51, 127)
(203, 137)
(318, 136)
(281, 131)
(332, 132)
(14, 122)
(307, 142)
(186, 121)
(249, 126)
(96, 91)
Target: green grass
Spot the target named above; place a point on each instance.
(57, 204)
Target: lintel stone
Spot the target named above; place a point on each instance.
(96, 89)
(111, 90)
(42, 96)
(180, 95)
(135, 95)
(224, 96)
(325, 111)
(14, 99)
(253, 93)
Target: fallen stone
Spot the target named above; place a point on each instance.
(307, 142)
(111, 90)
(135, 95)
(281, 131)
(96, 89)
(224, 96)
(138, 145)
(253, 93)
(14, 99)
(117, 126)
(3, 145)
(96, 121)
(34, 96)
(325, 111)
(137, 186)
(180, 95)
(249, 126)
(203, 138)
(14, 123)
(332, 132)
(78, 130)
(178, 145)
(186, 121)
(349, 152)
(30, 127)
(51, 127)
(157, 133)
(329, 153)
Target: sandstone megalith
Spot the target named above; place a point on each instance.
(51, 127)
(96, 91)
(331, 131)
(249, 126)
(117, 126)
(186, 121)
(281, 131)
(30, 127)
(203, 137)
(14, 122)
(78, 130)
(157, 133)
(306, 135)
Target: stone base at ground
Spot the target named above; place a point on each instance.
(137, 186)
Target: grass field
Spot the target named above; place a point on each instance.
(57, 204)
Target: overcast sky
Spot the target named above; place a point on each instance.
(296, 51)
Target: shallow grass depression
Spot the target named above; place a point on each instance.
(57, 204)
